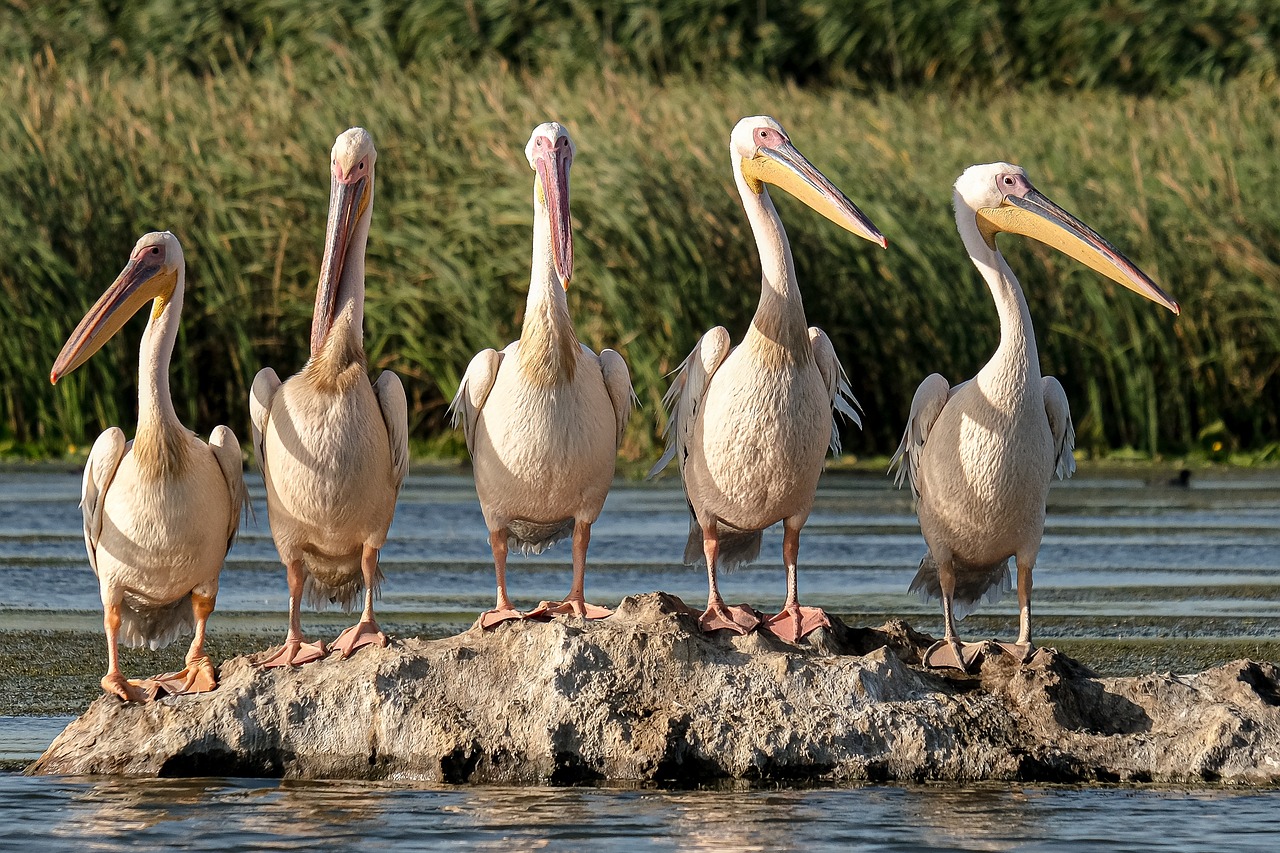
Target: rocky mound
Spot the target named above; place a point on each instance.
(645, 697)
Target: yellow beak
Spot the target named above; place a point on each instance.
(142, 280)
(1034, 216)
(785, 167)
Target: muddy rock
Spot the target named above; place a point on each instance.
(645, 697)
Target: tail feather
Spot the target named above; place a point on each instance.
(337, 581)
(737, 547)
(533, 537)
(974, 584)
(143, 623)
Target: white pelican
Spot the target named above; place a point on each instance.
(750, 426)
(980, 455)
(333, 449)
(161, 511)
(544, 418)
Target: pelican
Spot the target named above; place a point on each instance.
(980, 456)
(750, 426)
(161, 511)
(333, 448)
(543, 419)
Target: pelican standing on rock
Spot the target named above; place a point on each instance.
(544, 418)
(980, 456)
(161, 511)
(750, 426)
(333, 449)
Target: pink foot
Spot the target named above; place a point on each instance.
(794, 623)
(952, 654)
(492, 618)
(116, 684)
(740, 619)
(360, 634)
(198, 677)
(569, 607)
(292, 653)
(1021, 652)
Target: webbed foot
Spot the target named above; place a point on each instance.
(741, 619)
(198, 677)
(363, 633)
(292, 653)
(794, 623)
(569, 607)
(952, 654)
(495, 617)
(115, 684)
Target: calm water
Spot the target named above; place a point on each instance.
(1124, 561)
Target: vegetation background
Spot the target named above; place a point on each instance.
(1155, 122)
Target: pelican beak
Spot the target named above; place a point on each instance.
(785, 167)
(553, 190)
(1032, 215)
(348, 201)
(144, 278)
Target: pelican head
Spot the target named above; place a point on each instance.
(1001, 198)
(764, 153)
(151, 274)
(350, 202)
(550, 154)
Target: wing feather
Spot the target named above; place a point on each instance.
(395, 414)
(226, 451)
(839, 392)
(617, 381)
(265, 386)
(688, 390)
(1064, 432)
(474, 390)
(926, 405)
(99, 471)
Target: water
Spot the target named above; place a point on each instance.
(1133, 575)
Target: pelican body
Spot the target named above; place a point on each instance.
(544, 418)
(333, 448)
(160, 511)
(980, 456)
(751, 425)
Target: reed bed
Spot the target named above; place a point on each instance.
(235, 163)
(1138, 45)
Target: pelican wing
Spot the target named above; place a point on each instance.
(684, 398)
(617, 381)
(226, 450)
(265, 385)
(1064, 432)
(99, 471)
(839, 392)
(926, 405)
(477, 382)
(395, 414)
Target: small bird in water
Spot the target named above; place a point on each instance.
(160, 511)
(333, 448)
(544, 418)
(750, 425)
(980, 455)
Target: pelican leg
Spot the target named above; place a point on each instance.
(949, 652)
(740, 619)
(1023, 649)
(365, 632)
(114, 682)
(794, 622)
(295, 650)
(576, 603)
(199, 675)
(504, 609)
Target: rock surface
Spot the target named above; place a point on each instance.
(645, 697)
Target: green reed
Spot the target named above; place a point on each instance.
(235, 163)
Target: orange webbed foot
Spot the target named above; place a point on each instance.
(363, 633)
(292, 653)
(740, 619)
(569, 607)
(795, 623)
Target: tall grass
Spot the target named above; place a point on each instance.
(236, 164)
(1138, 45)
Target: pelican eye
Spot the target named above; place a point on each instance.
(155, 250)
